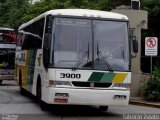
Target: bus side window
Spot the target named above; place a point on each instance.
(33, 35)
(31, 42)
(1, 38)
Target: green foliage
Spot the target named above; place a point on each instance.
(152, 6)
(151, 90)
(156, 73)
(15, 12)
(11, 12)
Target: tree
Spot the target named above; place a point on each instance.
(152, 6)
(12, 12)
(15, 12)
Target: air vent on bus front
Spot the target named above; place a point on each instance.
(91, 84)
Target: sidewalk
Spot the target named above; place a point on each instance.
(143, 102)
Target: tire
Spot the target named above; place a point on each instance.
(0, 81)
(43, 105)
(22, 91)
(103, 108)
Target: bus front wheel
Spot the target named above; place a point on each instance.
(43, 105)
(22, 91)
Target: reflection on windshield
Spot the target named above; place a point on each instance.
(73, 44)
(72, 37)
(112, 39)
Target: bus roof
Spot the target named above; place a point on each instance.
(8, 29)
(78, 12)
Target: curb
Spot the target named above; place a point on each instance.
(141, 103)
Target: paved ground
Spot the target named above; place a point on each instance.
(12, 104)
(144, 102)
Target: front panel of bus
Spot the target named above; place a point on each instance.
(89, 54)
(7, 54)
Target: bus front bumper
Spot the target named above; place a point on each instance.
(101, 97)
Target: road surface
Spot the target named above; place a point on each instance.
(14, 105)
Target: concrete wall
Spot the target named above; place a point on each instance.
(138, 20)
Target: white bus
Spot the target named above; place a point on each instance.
(75, 57)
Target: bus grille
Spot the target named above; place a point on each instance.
(91, 84)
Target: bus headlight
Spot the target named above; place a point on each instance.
(121, 86)
(53, 83)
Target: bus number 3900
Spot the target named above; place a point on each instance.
(68, 75)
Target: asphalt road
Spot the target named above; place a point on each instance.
(17, 107)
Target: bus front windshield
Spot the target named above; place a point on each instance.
(90, 44)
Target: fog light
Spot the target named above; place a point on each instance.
(120, 97)
(54, 83)
(63, 83)
(121, 86)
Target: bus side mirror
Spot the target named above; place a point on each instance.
(49, 24)
(135, 44)
(46, 54)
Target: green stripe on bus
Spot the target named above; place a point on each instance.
(96, 76)
(101, 77)
(107, 78)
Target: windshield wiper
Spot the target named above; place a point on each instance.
(86, 54)
(122, 53)
(99, 53)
